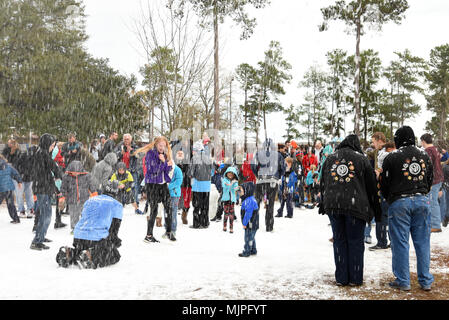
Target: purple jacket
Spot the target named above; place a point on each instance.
(156, 169)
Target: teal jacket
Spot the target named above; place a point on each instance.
(175, 185)
(230, 188)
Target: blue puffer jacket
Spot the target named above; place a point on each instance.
(291, 185)
(230, 189)
(7, 173)
(249, 210)
(175, 185)
(96, 218)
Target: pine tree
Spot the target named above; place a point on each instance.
(438, 98)
(358, 15)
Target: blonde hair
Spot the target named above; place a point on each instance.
(289, 160)
(151, 145)
(313, 167)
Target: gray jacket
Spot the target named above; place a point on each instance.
(201, 168)
(104, 169)
(77, 183)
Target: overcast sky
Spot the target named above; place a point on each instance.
(294, 23)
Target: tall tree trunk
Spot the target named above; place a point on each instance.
(265, 125)
(246, 121)
(216, 75)
(357, 80)
(443, 118)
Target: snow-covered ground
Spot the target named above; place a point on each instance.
(293, 262)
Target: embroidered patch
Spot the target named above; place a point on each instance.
(343, 171)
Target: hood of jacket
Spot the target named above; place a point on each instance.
(268, 145)
(45, 141)
(248, 189)
(111, 159)
(352, 141)
(76, 166)
(121, 165)
(233, 170)
(404, 136)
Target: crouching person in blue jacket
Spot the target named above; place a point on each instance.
(96, 240)
(250, 218)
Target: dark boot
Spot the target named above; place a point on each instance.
(184, 216)
(59, 224)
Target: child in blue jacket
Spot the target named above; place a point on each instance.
(230, 186)
(250, 218)
(175, 193)
(288, 189)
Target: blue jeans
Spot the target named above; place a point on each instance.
(349, 248)
(289, 201)
(382, 226)
(410, 216)
(174, 201)
(368, 228)
(250, 242)
(26, 188)
(435, 206)
(44, 206)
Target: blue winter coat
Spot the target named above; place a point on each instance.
(291, 185)
(7, 174)
(249, 210)
(175, 185)
(230, 189)
(96, 218)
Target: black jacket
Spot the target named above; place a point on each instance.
(26, 164)
(348, 183)
(108, 147)
(45, 170)
(132, 159)
(408, 170)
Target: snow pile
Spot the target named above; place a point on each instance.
(293, 262)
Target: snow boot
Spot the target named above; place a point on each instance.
(64, 258)
(59, 224)
(39, 246)
(30, 215)
(85, 260)
(158, 222)
(169, 235)
(184, 217)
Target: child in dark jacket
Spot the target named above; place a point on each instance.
(250, 218)
(288, 188)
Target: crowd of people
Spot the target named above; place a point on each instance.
(402, 188)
